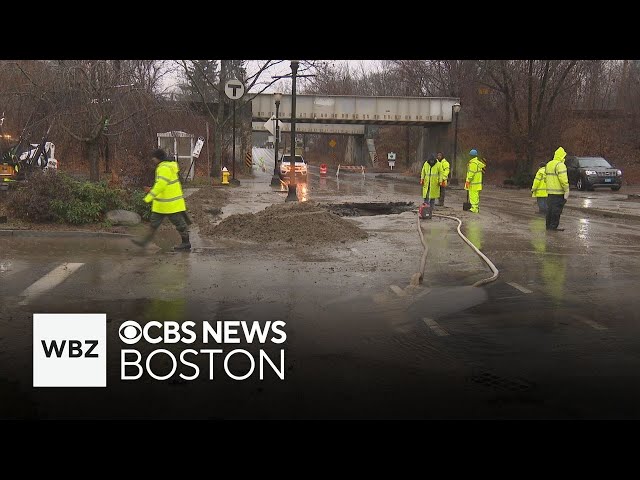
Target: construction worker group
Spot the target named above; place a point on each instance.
(550, 185)
(435, 175)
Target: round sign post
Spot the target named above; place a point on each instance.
(234, 89)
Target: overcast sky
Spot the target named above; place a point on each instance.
(284, 68)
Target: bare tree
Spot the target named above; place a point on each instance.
(94, 98)
(208, 89)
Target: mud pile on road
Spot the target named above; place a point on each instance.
(205, 207)
(303, 223)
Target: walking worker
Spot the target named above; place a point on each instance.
(473, 182)
(539, 188)
(444, 166)
(167, 201)
(557, 188)
(431, 179)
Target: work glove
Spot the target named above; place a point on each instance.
(422, 181)
(566, 195)
(443, 184)
(147, 189)
(466, 185)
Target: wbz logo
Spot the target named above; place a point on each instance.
(69, 350)
(75, 348)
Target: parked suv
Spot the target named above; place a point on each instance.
(589, 172)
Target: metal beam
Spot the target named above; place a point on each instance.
(351, 109)
(315, 128)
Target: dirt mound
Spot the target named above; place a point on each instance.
(303, 223)
(205, 207)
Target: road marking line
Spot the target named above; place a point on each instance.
(519, 287)
(433, 325)
(52, 279)
(590, 322)
(398, 291)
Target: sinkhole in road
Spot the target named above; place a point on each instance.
(362, 209)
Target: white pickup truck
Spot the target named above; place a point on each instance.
(300, 165)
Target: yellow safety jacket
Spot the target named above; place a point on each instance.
(474, 173)
(445, 167)
(166, 193)
(431, 176)
(556, 173)
(539, 187)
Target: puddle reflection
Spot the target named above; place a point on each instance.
(554, 267)
(474, 233)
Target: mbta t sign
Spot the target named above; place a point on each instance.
(234, 89)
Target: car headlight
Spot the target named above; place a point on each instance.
(619, 172)
(591, 172)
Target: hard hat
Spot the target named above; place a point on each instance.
(473, 152)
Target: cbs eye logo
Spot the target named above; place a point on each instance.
(130, 332)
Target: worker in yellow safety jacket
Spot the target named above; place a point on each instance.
(167, 201)
(445, 167)
(431, 179)
(557, 188)
(539, 188)
(473, 182)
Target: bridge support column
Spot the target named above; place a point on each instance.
(434, 139)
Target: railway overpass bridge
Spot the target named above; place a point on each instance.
(335, 114)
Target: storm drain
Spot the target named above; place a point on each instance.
(488, 379)
(369, 208)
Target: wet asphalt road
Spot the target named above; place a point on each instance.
(556, 336)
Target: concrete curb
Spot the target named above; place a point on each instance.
(69, 234)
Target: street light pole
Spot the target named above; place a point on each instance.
(292, 196)
(275, 180)
(456, 110)
(234, 142)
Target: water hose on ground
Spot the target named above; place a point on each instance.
(423, 260)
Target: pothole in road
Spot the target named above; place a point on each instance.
(369, 208)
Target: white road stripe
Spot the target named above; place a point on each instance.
(433, 325)
(519, 287)
(591, 323)
(398, 291)
(52, 279)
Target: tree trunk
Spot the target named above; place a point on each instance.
(92, 152)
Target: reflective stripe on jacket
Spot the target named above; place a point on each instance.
(474, 173)
(166, 193)
(432, 176)
(539, 187)
(445, 167)
(556, 174)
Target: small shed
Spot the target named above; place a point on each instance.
(179, 145)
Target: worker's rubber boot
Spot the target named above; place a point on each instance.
(185, 245)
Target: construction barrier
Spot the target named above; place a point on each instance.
(351, 168)
(248, 160)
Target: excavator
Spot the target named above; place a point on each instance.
(19, 158)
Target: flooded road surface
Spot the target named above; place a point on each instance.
(556, 336)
